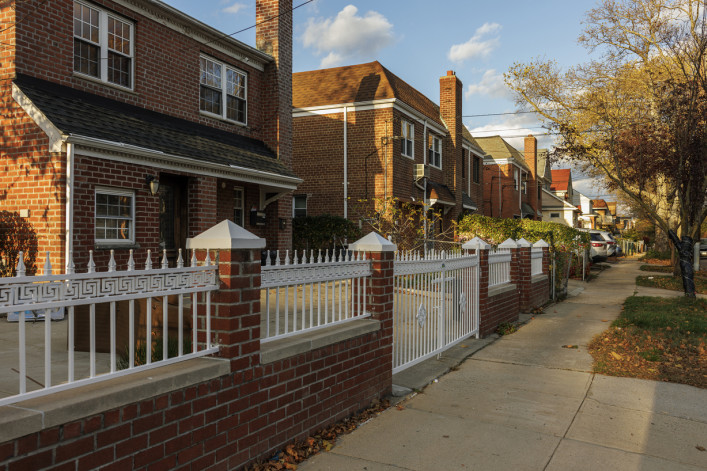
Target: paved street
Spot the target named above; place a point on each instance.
(526, 403)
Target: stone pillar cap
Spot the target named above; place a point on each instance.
(373, 242)
(476, 243)
(226, 235)
(540, 243)
(523, 243)
(508, 244)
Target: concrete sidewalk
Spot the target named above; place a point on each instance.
(523, 402)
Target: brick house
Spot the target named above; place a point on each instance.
(123, 95)
(361, 133)
(512, 183)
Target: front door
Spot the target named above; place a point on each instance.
(173, 216)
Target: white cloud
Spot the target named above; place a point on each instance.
(514, 129)
(235, 8)
(491, 84)
(347, 36)
(477, 45)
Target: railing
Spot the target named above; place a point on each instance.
(536, 261)
(303, 294)
(103, 306)
(499, 267)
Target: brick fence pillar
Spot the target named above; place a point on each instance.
(482, 249)
(524, 277)
(235, 307)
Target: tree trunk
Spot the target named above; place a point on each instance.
(684, 247)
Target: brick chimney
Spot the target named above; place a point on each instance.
(450, 108)
(531, 158)
(273, 36)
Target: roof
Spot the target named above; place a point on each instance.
(498, 149)
(467, 135)
(441, 193)
(557, 203)
(77, 113)
(355, 84)
(526, 208)
(560, 179)
(599, 204)
(468, 202)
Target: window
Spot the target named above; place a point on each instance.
(516, 180)
(434, 157)
(222, 91)
(408, 134)
(103, 45)
(299, 206)
(554, 215)
(115, 216)
(238, 206)
(477, 170)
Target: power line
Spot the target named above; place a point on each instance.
(497, 114)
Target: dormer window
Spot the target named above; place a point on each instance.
(222, 90)
(103, 45)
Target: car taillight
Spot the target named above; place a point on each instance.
(596, 244)
(610, 242)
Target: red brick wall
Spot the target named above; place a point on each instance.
(450, 107)
(510, 206)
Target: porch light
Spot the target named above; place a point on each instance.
(153, 184)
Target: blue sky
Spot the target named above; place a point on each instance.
(420, 40)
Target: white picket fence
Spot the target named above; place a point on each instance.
(304, 293)
(499, 266)
(23, 295)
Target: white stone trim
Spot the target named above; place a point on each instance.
(56, 138)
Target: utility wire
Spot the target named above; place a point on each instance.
(27, 15)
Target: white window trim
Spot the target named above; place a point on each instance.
(103, 47)
(118, 192)
(434, 138)
(411, 155)
(224, 67)
(242, 208)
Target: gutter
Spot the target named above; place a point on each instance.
(69, 231)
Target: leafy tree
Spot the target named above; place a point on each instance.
(637, 116)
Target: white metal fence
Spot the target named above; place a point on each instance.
(435, 304)
(499, 267)
(536, 261)
(307, 293)
(98, 307)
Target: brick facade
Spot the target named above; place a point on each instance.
(166, 75)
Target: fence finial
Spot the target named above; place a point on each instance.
(180, 260)
(277, 258)
(165, 263)
(207, 260)
(21, 269)
(193, 258)
(111, 263)
(91, 263)
(47, 266)
(148, 261)
(131, 261)
(287, 257)
(70, 267)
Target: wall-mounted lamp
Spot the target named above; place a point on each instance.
(153, 184)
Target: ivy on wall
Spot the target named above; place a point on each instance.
(16, 235)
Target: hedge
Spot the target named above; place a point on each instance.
(323, 232)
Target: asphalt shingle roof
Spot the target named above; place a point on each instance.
(357, 83)
(498, 148)
(84, 114)
(560, 179)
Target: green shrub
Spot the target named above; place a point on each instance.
(16, 235)
(656, 255)
(323, 232)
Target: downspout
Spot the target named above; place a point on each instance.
(346, 168)
(520, 193)
(500, 193)
(69, 247)
(424, 195)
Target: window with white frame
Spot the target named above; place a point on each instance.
(299, 206)
(434, 151)
(477, 169)
(408, 138)
(516, 179)
(103, 45)
(223, 90)
(115, 216)
(238, 206)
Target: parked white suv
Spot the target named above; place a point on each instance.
(611, 246)
(599, 247)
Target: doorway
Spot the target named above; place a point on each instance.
(173, 216)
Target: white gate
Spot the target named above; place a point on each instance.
(436, 305)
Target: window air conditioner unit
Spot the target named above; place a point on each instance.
(421, 170)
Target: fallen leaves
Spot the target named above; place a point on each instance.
(570, 346)
(322, 440)
(616, 356)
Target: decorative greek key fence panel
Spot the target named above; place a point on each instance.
(307, 293)
(435, 305)
(110, 319)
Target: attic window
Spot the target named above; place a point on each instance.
(103, 45)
